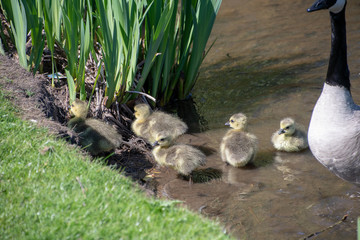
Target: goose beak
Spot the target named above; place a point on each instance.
(318, 5)
(281, 131)
(227, 124)
(155, 144)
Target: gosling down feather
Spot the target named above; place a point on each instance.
(334, 130)
(238, 147)
(149, 124)
(94, 135)
(181, 157)
(291, 136)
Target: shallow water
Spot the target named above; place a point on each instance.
(269, 61)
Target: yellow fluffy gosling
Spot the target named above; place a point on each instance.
(291, 136)
(183, 158)
(94, 135)
(148, 124)
(238, 147)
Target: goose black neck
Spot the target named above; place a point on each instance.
(338, 71)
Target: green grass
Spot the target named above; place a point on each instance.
(41, 195)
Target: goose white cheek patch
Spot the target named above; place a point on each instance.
(338, 6)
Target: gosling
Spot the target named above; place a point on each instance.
(291, 136)
(148, 124)
(238, 147)
(183, 158)
(94, 135)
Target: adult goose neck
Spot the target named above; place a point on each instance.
(338, 71)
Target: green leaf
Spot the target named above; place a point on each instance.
(71, 85)
(19, 26)
(155, 41)
(204, 17)
(2, 52)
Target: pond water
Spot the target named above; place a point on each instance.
(269, 61)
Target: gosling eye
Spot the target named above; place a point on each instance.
(162, 139)
(231, 120)
(287, 127)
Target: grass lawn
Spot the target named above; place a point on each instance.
(50, 190)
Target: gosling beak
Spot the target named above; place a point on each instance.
(318, 5)
(281, 131)
(156, 143)
(227, 124)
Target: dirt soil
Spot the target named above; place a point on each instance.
(48, 107)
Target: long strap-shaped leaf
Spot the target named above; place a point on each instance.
(204, 19)
(19, 26)
(156, 37)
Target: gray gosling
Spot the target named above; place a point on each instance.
(291, 137)
(238, 147)
(94, 135)
(183, 158)
(148, 124)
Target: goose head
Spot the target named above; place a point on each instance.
(142, 111)
(78, 109)
(334, 6)
(237, 121)
(163, 139)
(287, 127)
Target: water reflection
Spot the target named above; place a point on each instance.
(269, 61)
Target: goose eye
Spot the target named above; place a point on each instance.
(287, 127)
(232, 121)
(162, 139)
